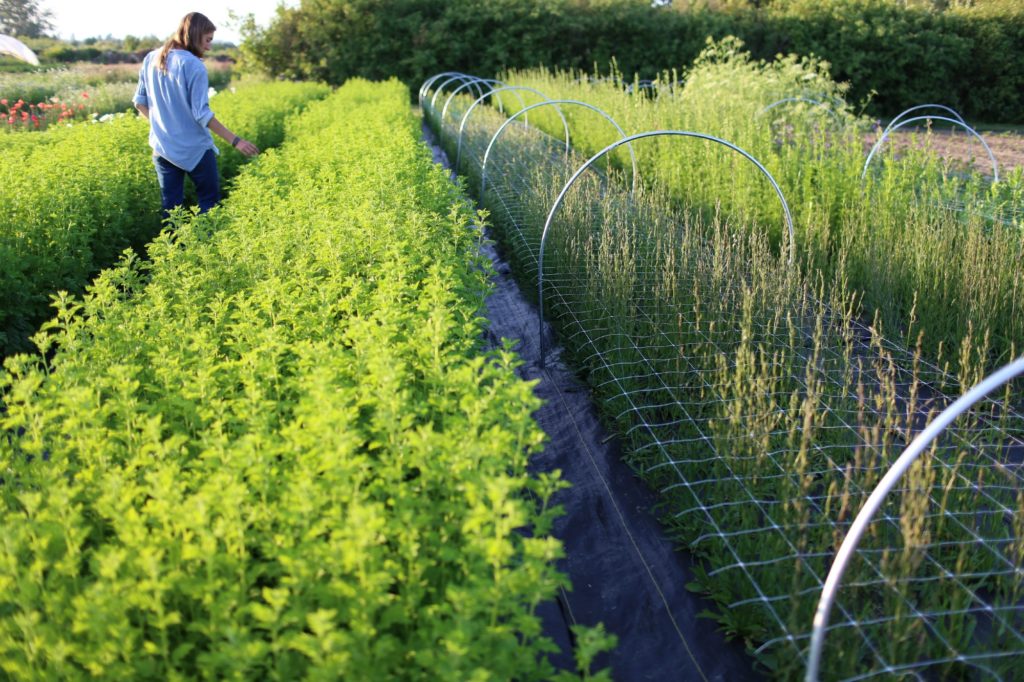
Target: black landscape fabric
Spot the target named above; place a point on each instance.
(624, 571)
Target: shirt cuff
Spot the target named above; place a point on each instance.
(144, 101)
(205, 118)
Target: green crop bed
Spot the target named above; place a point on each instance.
(277, 451)
(72, 198)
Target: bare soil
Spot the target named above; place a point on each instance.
(1008, 147)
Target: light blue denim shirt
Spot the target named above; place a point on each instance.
(179, 107)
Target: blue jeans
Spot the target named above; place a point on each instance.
(172, 182)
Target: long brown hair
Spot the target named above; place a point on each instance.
(189, 36)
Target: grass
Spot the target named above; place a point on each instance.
(763, 401)
(883, 234)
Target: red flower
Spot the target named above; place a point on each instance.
(3, 101)
(85, 95)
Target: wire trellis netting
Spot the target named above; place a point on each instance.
(764, 411)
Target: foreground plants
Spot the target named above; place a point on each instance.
(277, 451)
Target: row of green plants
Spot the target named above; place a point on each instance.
(277, 450)
(73, 198)
(885, 234)
(749, 393)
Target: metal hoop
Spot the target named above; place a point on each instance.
(556, 102)
(972, 131)
(611, 147)
(877, 497)
(489, 81)
(430, 81)
(465, 117)
(954, 112)
(460, 77)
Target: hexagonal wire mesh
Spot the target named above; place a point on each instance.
(765, 412)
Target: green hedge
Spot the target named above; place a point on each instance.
(72, 198)
(284, 456)
(973, 60)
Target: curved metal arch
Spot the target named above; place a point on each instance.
(806, 100)
(556, 102)
(513, 88)
(899, 116)
(425, 87)
(613, 146)
(460, 77)
(878, 495)
(465, 116)
(489, 81)
(972, 131)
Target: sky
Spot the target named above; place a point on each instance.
(84, 19)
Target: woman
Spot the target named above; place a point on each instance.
(173, 94)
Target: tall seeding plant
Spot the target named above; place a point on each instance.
(752, 393)
(884, 234)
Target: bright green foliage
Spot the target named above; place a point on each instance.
(72, 198)
(258, 111)
(275, 451)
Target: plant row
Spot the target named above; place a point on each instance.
(74, 197)
(277, 450)
(919, 238)
(747, 392)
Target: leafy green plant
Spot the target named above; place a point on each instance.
(277, 450)
(74, 197)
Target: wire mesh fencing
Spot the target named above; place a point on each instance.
(764, 411)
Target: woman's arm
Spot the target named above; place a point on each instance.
(244, 146)
(143, 109)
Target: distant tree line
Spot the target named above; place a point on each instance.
(895, 53)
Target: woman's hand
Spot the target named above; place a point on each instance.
(247, 148)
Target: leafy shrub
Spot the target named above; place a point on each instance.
(73, 198)
(970, 59)
(275, 451)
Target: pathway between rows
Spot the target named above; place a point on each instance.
(625, 572)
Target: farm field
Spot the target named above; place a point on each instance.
(882, 232)
(74, 93)
(1008, 147)
(764, 398)
(282, 440)
(241, 459)
(56, 235)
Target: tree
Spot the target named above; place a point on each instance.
(24, 18)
